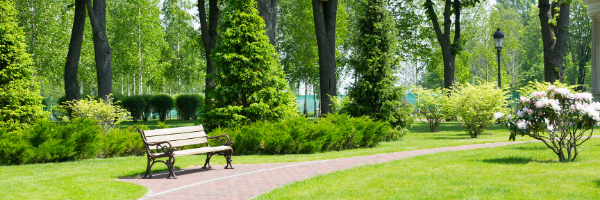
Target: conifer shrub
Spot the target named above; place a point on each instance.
(20, 102)
(250, 85)
(121, 142)
(162, 103)
(135, 105)
(297, 135)
(374, 93)
(187, 105)
(49, 142)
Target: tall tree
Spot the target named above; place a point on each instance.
(267, 9)
(250, 84)
(554, 21)
(209, 38)
(324, 13)
(450, 48)
(375, 93)
(72, 64)
(580, 40)
(20, 103)
(102, 51)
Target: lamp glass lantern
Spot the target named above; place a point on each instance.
(498, 37)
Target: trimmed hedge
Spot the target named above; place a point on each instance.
(162, 103)
(187, 105)
(297, 135)
(148, 108)
(136, 105)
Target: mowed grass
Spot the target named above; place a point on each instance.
(523, 171)
(95, 178)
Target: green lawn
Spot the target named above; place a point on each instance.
(523, 171)
(92, 179)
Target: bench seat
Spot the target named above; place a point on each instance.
(200, 150)
(165, 143)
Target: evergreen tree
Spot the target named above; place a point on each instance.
(375, 93)
(20, 103)
(250, 84)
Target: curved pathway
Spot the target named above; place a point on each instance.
(249, 180)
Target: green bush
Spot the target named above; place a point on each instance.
(297, 135)
(135, 105)
(476, 105)
(148, 108)
(187, 105)
(162, 103)
(433, 105)
(20, 102)
(122, 142)
(49, 142)
(100, 110)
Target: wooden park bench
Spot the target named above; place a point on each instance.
(165, 143)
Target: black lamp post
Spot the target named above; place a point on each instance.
(498, 37)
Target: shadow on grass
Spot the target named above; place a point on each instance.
(530, 147)
(157, 172)
(509, 160)
(597, 183)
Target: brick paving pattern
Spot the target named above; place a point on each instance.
(249, 180)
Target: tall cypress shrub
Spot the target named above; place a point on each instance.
(375, 93)
(250, 85)
(20, 102)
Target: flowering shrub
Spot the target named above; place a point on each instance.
(476, 105)
(433, 105)
(559, 118)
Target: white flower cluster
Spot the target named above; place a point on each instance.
(522, 124)
(498, 115)
(590, 110)
(545, 102)
(538, 94)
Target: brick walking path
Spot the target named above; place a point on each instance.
(249, 180)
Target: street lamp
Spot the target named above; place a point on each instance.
(498, 37)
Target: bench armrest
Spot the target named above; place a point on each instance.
(160, 145)
(228, 143)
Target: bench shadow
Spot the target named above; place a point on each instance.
(163, 173)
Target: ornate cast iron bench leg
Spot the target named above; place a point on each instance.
(149, 168)
(170, 164)
(228, 159)
(208, 156)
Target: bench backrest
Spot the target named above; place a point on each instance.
(178, 137)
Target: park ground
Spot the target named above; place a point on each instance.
(520, 171)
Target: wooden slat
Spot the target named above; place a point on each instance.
(169, 131)
(179, 143)
(176, 136)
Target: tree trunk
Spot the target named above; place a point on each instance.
(449, 49)
(140, 55)
(324, 13)
(306, 96)
(267, 9)
(209, 34)
(554, 39)
(581, 78)
(102, 51)
(71, 88)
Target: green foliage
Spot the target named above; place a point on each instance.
(100, 110)
(49, 142)
(122, 142)
(297, 135)
(161, 125)
(375, 93)
(476, 105)
(187, 105)
(136, 105)
(250, 84)
(433, 104)
(162, 103)
(148, 108)
(20, 103)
